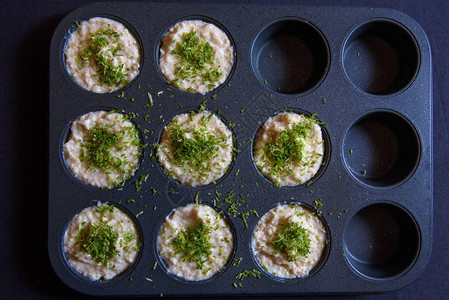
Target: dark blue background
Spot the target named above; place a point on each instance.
(26, 28)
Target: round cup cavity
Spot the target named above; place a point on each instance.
(381, 149)
(206, 20)
(74, 28)
(101, 283)
(326, 155)
(320, 263)
(174, 276)
(381, 241)
(65, 137)
(290, 56)
(381, 57)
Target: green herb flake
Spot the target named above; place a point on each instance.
(197, 198)
(142, 179)
(246, 215)
(246, 273)
(317, 203)
(150, 99)
(237, 261)
(154, 191)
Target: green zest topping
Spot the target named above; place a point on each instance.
(100, 52)
(195, 59)
(292, 240)
(99, 144)
(98, 241)
(285, 150)
(194, 243)
(195, 150)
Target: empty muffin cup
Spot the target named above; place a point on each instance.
(290, 56)
(381, 241)
(381, 149)
(381, 57)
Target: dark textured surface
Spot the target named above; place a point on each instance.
(27, 29)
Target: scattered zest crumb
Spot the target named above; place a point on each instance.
(150, 99)
(237, 262)
(246, 273)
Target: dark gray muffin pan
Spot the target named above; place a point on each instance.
(366, 72)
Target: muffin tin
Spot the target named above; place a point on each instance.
(366, 72)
